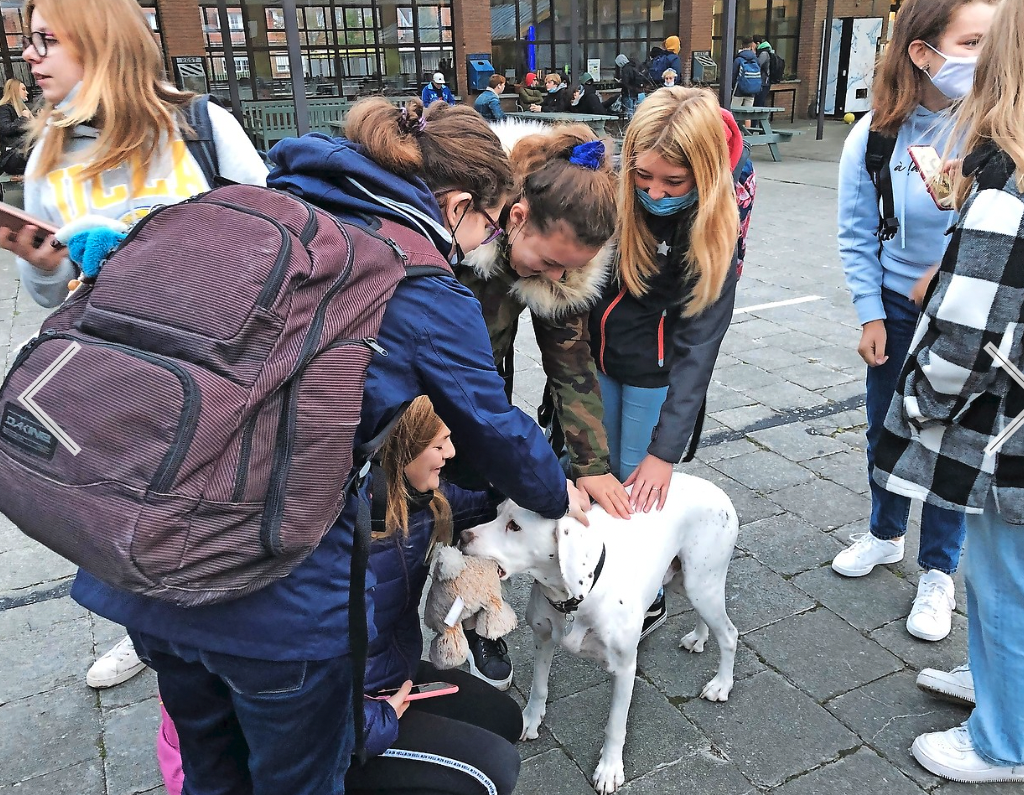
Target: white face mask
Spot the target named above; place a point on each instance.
(956, 76)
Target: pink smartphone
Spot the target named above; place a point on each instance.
(426, 690)
(938, 183)
(15, 219)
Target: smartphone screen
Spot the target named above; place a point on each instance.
(426, 690)
(938, 183)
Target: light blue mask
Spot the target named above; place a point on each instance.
(669, 205)
(553, 90)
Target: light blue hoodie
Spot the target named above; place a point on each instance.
(921, 239)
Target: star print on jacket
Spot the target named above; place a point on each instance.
(664, 248)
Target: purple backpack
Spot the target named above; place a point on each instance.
(183, 429)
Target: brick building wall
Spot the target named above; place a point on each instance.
(181, 29)
(471, 29)
(694, 30)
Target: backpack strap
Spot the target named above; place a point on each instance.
(876, 161)
(698, 429)
(201, 145)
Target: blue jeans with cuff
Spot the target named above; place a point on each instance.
(942, 530)
(255, 727)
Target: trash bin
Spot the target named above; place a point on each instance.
(478, 70)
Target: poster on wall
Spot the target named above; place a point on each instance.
(594, 67)
(190, 73)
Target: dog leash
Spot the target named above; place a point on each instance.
(572, 604)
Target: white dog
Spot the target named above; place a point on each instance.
(593, 585)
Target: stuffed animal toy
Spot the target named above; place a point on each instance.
(462, 587)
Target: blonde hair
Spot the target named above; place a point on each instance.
(124, 91)
(12, 95)
(994, 109)
(554, 76)
(412, 435)
(684, 126)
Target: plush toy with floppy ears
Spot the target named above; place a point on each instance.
(462, 587)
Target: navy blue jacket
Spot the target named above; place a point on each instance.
(438, 345)
(400, 570)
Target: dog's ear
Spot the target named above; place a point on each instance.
(577, 556)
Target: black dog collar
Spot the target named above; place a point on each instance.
(570, 606)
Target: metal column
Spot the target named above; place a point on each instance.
(229, 59)
(291, 32)
(826, 48)
(728, 49)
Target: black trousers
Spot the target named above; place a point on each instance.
(460, 744)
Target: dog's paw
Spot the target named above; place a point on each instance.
(718, 689)
(608, 776)
(693, 642)
(531, 724)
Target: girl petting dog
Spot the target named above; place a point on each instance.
(456, 743)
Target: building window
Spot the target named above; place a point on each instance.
(777, 20)
(348, 47)
(535, 35)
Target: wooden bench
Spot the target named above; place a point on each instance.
(270, 121)
(787, 135)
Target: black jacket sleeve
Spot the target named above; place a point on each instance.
(12, 126)
(695, 345)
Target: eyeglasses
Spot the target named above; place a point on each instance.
(40, 41)
(495, 230)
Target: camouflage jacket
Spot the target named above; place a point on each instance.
(559, 314)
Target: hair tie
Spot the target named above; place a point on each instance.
(589, 155)
(415, 129)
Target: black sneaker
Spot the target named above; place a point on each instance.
(489, 660)
(655, 616)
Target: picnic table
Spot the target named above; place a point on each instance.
(760, 131)
(595, 121)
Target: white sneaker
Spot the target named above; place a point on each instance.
(932, 614)
(951, 754)
(956, 685)
(118, 665)
(865, 553)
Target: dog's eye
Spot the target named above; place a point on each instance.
(512, 526)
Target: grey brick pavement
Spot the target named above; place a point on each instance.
(825, 700)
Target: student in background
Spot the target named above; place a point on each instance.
(488, 104)
(437, 89)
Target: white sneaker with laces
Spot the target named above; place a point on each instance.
(956, 685)
(118, 665)
(865, 553)
(951, 754)
(932, 614)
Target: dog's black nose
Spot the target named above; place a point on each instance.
(465, 537)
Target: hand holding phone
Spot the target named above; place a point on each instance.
(936, 179)
(425, 690)
(29, 238)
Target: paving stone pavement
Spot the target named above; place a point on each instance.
(824, 701)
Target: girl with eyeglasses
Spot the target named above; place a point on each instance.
(109, 141)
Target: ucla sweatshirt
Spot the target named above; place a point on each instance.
(62, 196)
(921, 239)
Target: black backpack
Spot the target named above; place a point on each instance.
(776, 67)
(876, 161)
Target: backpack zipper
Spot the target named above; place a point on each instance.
(244, 454)
(168, 469)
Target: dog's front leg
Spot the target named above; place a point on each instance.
(609, 774)
(544, 653)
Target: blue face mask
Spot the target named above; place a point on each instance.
(553, 90)
(668, 205)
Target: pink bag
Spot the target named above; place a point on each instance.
(168, 754)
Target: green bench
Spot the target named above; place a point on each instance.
(270, 121)
(787, 135)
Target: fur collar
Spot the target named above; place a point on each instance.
(576, 293)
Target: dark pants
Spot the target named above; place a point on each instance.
(761, 97)
(255, 727)
(942, 530)
(457, 745)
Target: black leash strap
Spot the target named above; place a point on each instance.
(698, 428)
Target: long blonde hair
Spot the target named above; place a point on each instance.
(411, 436)
(684, 126)
(124, 90)
(994, 109)
(12, 95)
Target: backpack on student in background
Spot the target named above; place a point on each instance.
(748, 81)
(183, 428)
(776, 67)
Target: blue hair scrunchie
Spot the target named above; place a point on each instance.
(589, 155)
(90, 249)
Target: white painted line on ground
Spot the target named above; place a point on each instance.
(774, 304)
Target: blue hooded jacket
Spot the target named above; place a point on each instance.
(437, 345)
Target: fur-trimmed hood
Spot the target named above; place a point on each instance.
(577, 292)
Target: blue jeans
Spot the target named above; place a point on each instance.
(942, 530)
(628, 107)
(630, 414)
(994, 572)
(255, 727)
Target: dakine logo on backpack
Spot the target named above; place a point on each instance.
(213, 392)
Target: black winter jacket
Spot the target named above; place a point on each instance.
(557, 101)
(646, 341)
(590, 102)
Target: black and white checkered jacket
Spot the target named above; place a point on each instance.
(954, 398)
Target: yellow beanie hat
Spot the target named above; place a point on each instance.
(672, 44)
